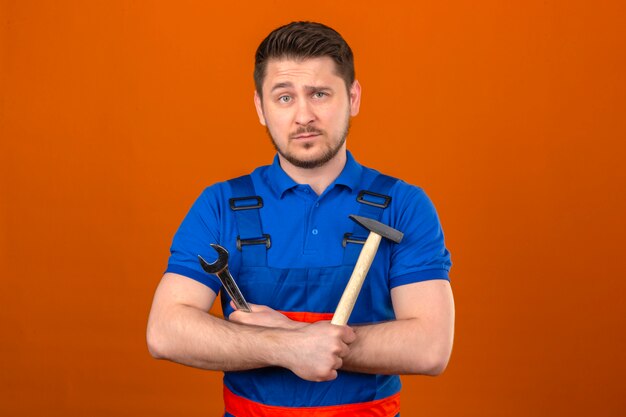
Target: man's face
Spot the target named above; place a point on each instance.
(306, 109)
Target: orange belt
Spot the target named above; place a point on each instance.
(242, 407)
(306, 317)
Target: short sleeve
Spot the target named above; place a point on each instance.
(198, 230)
(422, 254)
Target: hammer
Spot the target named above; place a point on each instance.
(366, 257)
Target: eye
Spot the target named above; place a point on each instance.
(319, 94)
(284, 99)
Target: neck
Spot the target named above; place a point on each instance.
(317, 178)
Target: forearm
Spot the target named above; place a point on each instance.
(192, 337)
(406, 346)
(188, 335)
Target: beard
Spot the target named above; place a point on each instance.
(329, 153)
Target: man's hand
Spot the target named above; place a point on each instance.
(264, 316)
(317, 350)
(314, 351)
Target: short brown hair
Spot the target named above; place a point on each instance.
(302, 40)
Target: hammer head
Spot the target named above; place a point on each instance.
(378, 228)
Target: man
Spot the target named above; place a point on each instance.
(292, 249)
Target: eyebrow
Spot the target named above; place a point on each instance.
(288, 84)
(281, 85)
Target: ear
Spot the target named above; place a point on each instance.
(259, 108)
(355, 98)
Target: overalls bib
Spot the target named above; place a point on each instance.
(309, 295)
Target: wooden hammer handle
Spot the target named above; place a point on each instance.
(350, 294)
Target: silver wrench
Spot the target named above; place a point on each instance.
(220, 268)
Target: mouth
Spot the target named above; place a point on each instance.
(305, 136)
(306, 133)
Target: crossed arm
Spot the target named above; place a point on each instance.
(419, 341)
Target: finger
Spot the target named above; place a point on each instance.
(338, 363)
(239, 316)
(253, 307)
(331, 375)
(348, 335)
(234, 316)
(257, 308)
(345, 350)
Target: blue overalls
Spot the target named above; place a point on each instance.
(309, 294)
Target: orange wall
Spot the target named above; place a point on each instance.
(511, 114)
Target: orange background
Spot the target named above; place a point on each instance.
(510, 114)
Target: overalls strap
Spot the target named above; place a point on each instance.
(245, 204)
(372, 203)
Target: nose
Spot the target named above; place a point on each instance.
(304, 113)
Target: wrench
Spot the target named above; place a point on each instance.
(220, 268)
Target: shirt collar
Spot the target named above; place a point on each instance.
(281, 182)
(350, 175)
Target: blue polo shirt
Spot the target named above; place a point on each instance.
(307, 230)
